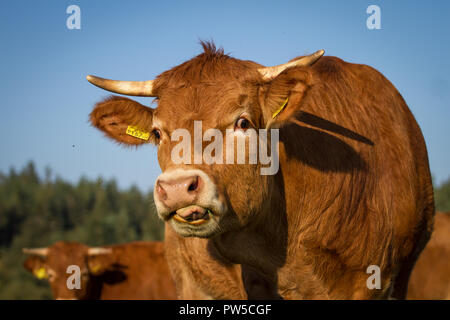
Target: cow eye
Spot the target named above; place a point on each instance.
(157, 133)
(242, 124)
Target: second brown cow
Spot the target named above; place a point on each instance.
(430, 278)
(136, 270)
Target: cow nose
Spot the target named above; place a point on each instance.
(176, 193)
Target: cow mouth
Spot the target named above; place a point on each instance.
(193, 215)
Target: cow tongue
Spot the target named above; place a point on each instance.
(192, 212)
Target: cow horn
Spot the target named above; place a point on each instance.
(130, 88)
(36, 251)
(269, 73)
(98, 250)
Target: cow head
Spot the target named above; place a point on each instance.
(54, 265)
(218, 98)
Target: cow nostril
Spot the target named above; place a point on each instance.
(194, 185)
(161, 192)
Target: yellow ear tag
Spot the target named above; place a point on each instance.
(280, 108)
(41, 273)
(135, 132)
(96, 268)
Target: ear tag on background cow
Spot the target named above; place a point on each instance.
(96, 268)
(135, 132)
(280, 108)
(41, 273)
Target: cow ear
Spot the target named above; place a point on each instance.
(281, 97)
(124, 120)
(36, 266)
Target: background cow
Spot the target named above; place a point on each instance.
(353, 189)
(136, 270)
(430, 278)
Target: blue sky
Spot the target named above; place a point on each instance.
(45, 99)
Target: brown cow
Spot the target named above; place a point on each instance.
(430, 278)
(353, 187)
(135, 270)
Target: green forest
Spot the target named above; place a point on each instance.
(38, 211)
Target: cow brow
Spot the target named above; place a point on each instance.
(157, 124)
(231, 116)
(224, 122)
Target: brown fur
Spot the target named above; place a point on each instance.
(430, 278)
(354, 187)
(200, 272)
(135, 270)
